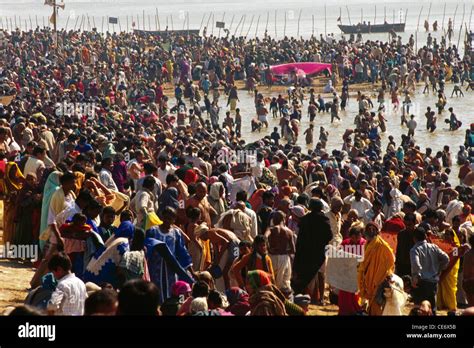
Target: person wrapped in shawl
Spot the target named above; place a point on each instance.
(102, 268)
(133, 264)
(378, 263)
(217, 201)
(28, 210)
(169, 198)
(313, 236)
(265, 298)
(167, 256)
(238, 301)
(51, 186)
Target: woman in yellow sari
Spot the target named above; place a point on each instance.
(448, 280)
(377, 264)
(13, 182)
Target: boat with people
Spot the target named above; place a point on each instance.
(365, 28)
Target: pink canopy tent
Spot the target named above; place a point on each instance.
(308, 68)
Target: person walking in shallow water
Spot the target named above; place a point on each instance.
(430, 120)
(309, 134)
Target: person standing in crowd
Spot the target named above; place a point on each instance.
(281, 245)
(427, 262)
(310, 250)
(70, 294)
(377, 265)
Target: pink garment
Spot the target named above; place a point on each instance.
(308, 68)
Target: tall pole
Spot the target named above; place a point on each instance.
(102, 28)
(454, 18)
(231, 22)
(202, 21)
(243, 25)
(416, 41)
(67, 22)
(144, 20)
(158, 17)
(75, 24)
(36, 20)
(348, 15)
(419, 16)
(325, 22)
(250, 26)
(256, 29)
(284, 27)
(384, 14)
(31, 22)
(219, 33)
(207, 24)
(238, 25)
(312, 30)
(268, 18)
(444, 14)
(470, 18)
(126, 20)
(299, 19)
(361, 15)
(375, 15)
(55, 19)
(55, 22)
(429, 12)
(459, 37)
(275, 24)
(462, 21)
(213, 24)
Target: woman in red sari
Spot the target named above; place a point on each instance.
(348, 302)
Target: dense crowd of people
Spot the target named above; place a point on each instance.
(116, 162)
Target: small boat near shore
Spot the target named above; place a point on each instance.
(375, 28)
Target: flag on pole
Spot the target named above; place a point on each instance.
(220, 25)
(113, 20)
(49, 2)
(339, 19)
(52, 19)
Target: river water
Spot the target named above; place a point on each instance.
(463, 108)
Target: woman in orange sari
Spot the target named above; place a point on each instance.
(378, 263)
